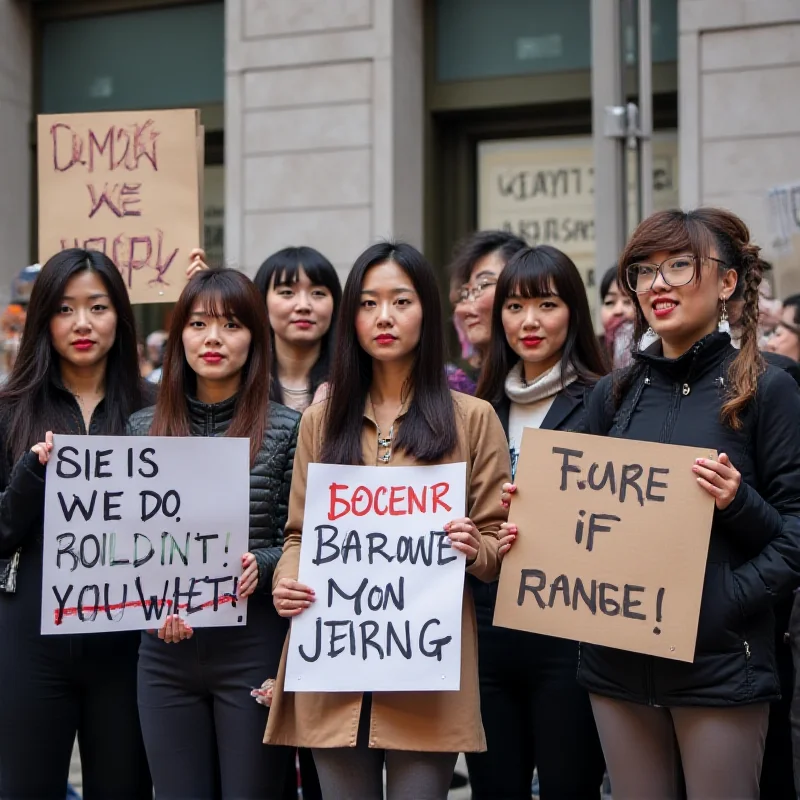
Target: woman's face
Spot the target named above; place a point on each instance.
(682, 315)
(216, 348)
(786, 338)
(617, 307)
(84, 328)
(475, 313)
(300, 313)
(536, 329)
(389, 318)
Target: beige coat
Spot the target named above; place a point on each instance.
(425, 721)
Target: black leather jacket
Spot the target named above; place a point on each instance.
(270, 476)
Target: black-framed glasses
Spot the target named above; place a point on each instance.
(675, 270)
(467, 293)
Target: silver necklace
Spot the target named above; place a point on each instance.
(386, 443)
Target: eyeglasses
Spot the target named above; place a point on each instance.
(676, 271)
(467, 293)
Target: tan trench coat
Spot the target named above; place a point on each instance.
(424, 721)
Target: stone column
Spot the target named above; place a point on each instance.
(323, 126)
(15, 148)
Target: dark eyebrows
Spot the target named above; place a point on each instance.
(398, 290)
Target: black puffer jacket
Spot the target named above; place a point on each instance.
(754, 552)
(270, 476)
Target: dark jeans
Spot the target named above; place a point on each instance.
(535, 715)
(202, 729)
(52, 687)
(60, 685)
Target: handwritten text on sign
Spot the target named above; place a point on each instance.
(389, 585)
(612, 546)
(127, 184)
(134, 529)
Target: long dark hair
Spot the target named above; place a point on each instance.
(697, 232)
(30, 398)
(428, 431)
(224, 293)
(541, 272)
(285, 266)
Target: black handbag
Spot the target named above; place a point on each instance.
(9, 567)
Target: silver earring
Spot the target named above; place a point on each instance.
(723, 326)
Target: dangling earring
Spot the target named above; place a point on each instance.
(723, 326)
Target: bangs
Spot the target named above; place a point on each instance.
(673, 232)
(532, 273)
(218, 304)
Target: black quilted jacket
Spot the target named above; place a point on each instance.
(270, 476)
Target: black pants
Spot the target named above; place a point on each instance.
(52, 687)
(202, 729)
(535, 715)
(57, 686)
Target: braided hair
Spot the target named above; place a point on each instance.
(698, 232)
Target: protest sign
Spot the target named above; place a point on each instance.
(612, 545)
(137, 527)
(127, 183)
(389, 586)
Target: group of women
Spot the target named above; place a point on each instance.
(247, 358)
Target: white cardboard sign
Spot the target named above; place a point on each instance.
(135, 527)
(388, 584)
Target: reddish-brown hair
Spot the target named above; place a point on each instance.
(223, 293)
(697, 232)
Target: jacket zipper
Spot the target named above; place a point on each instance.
(746, 651)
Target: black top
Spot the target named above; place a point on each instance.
(270, 476)
(754, 551)
(22, 509)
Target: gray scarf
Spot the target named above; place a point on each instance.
(546, 385)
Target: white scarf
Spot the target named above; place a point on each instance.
(546, 385)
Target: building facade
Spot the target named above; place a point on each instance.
(334, 123)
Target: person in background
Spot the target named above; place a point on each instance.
(202, 729)
(389, 405)
(542, 361)
(681, 268)
(616, 317)
(155, 344)
(477, 263)
(785, 339)
(302, 292)
(76, 373)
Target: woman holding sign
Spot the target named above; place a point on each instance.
(389, 405)
(202, 729)
(693, 388)
(541, 364)
(77, 373)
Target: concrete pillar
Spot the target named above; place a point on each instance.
(739, 113)
(323, 126)
(15, 150)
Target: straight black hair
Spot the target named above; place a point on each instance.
(428, 429)
(541, 272)
(470, 250)
(284, 266)
(30, 399)
(609, 277)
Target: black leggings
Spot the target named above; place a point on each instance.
(52, 687)
(535, 715)
(202, 729)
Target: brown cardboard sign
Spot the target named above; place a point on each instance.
(126, 183)
(612, 545)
